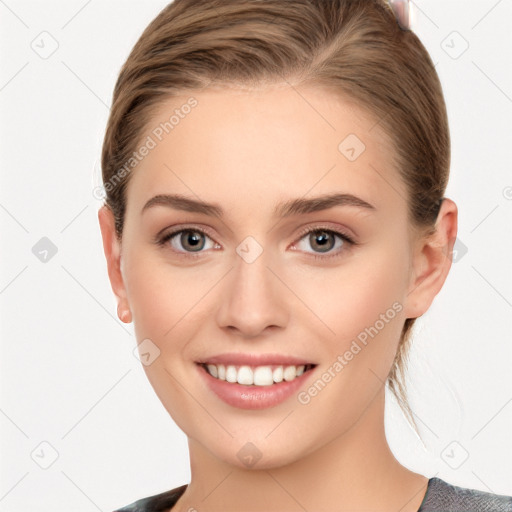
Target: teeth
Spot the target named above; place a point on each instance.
(290, 372)
(245, 376)
(277, 374)
(230, 374)
(258, 376)
(263, 376)
(213, 370)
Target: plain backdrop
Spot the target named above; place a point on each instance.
(81, 428)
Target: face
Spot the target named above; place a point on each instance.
(325, 283)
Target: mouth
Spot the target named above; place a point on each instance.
(252, 375)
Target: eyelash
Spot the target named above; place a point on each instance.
(346, 239)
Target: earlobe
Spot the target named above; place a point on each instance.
(112, 250)
(432, 259)
(124, 313)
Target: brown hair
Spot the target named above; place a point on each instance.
(354, 47)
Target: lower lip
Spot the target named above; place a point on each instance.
(253, 397)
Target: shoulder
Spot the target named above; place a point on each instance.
(444, 497)
(157, 503)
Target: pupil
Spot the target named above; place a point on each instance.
(192, 236)
(323, 236)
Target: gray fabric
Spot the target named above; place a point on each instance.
(444, 497)
(440, 497)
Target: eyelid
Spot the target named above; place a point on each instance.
(327, 226)
(181, 227)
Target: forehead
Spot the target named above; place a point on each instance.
(258, 145)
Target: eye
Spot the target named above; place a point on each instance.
(189, 241)
(325, 240)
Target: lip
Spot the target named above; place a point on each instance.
(239, 359)
(253, 397)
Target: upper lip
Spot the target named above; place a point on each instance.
(238, 359)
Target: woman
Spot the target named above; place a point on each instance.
(275, 220)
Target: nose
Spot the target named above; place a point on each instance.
(253, 299)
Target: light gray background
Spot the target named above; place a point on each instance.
(69, 378)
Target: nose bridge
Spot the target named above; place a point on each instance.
(253, 298)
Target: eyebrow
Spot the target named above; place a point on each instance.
(299, 206)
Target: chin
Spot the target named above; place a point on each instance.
(258, 455)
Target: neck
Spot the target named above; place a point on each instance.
(354, 471)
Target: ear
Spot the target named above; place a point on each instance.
(112, 250)
(432, 260)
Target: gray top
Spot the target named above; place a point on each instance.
(444, 497)
(440, 497)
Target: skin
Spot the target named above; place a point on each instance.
(246, 151)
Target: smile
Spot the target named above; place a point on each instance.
(248, 385)
(266, 375)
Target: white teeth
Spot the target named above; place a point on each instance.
(277, 375)
(212, 369)
(290, 373)
(245, 376)
(231, 374)
(259, 375)
(263, 376)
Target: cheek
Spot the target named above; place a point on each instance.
(167, 309)
(352, 297)
(155, 308)
(362, 305)
(156, 294)
(168, 303)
